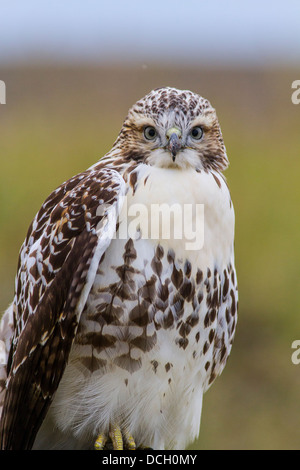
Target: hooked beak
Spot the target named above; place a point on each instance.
(174, 144)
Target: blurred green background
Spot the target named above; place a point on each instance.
(61, 118)
(58, 121)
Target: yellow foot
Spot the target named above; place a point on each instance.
(100, 442)
(129, 441)
(116, 437)
(119, 439)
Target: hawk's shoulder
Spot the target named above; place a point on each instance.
(57, 265)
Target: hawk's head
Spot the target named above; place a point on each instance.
(173, 128)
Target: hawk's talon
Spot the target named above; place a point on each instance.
(100, 442)
(130, 444)
(119, 439)
(116, 437)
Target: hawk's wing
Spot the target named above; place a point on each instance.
(57, 267)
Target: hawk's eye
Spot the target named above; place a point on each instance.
(150, 133)
(197, 133)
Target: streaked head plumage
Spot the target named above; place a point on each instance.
(173, 128)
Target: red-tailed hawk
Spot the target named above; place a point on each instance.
(124, 313)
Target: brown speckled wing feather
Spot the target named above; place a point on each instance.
(57, 266)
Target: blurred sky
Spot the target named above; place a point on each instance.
(196, 31)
